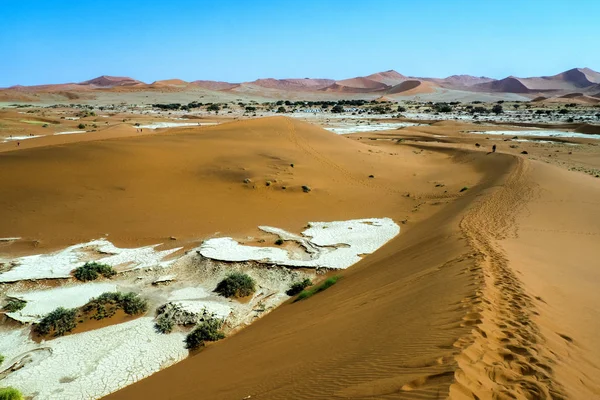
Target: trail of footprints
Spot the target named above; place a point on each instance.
(505, 355)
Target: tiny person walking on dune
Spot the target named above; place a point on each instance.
(493, 148)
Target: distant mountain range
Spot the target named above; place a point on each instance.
(575, 82)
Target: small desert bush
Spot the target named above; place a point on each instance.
(279, 242)
(207, 331)
(107, 304)
(442, 107)
(81, 126)
(236, 284)
(1, 358)
(15, 305)
(132, 304)
(9, 393)
(329, 282)
(90, 271)
(464, 189)
(297, 287)
(163, 324)
(61, 321)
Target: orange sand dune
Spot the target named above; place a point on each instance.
(412, 87)
(170, 82)
(214, 85)
(488, 292)
(292, 84)
(109, 81)
(190, 184)
(359, 84)
(390, 78)
(457, 306)
(565, 81)
(579, 98)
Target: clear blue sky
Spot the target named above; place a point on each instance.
(70, 41)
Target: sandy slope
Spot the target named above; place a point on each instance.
(190, 184)
(393, 327)
(387, 328)
(485, 294)
(557, 260)
(488, 298)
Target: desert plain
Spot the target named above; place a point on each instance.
(449, 229)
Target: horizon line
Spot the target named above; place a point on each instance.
(265, 78)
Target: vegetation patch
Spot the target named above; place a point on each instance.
(62, 320)
(298, 287)
(464, 189)
(305, 294)
(90, 271)
(10, 393)
(59, 321)
(164, 324)
(107, 304)
(236, 284)
(171, 314)
(207, 331)
(442, 107)
(14, 305)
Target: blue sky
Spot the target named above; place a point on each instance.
(71, 41)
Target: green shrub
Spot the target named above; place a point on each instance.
(81, 126)
(90, 271)
(236, 284)
(60, 321)
(107, 304)
(279, 242)
(9, 393)
(442, 107)
(297, 287)
(206, 331)
(1, 358)
(497, 109)
(305, 294)
(14, 305)
(134, 305)
(163, 324)
(464, 189)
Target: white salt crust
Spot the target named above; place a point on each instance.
(335, 245)
(61, 263)
(42, 302)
